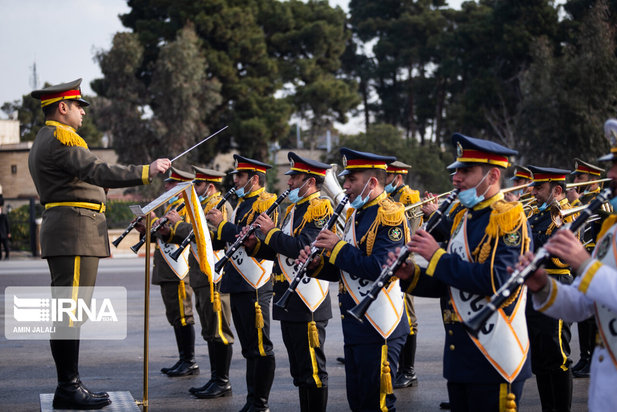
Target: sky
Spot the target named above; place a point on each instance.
(61, 37)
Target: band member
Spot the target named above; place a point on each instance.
(583, 195)
(549, 337)
(172, 278)
(303, 323)
(69, 180)
(593, 292)
(247, 280)
(375, 225)
(214, 311)
(522, 176)
(400, 192)
(487, 236)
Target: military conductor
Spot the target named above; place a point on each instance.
(70, 180)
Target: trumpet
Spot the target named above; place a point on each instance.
(252, 228)
(512, 189)
(413, 211)
(516, 280)
(191, 236)
(591, 182)
(387, 273)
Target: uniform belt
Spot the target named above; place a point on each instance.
(280, 278)
(99, 207)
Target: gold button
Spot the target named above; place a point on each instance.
(600, 358)
(340, 304)
(450, 332)
(342, 316)
(273, 293)
(451, 347)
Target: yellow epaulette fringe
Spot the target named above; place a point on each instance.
(261, 204)
(317, 209)
(606, 225)
(390, 213)
(506, 218)
(409, 196)
(67, 135)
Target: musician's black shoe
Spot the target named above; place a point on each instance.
(202, 388)
(71, 395)
(215, 390)
(175, 365)
(405, 380)
(582, 372)
(340, 359)
(444, 405)
(185, 368)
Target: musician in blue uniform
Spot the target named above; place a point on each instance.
(375, 225)
(522, 176)
(579, 196)
(303, 324)
(399, 191)
(488, 235)
(549, 337)
(248, 280)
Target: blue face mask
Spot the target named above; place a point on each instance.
(545, 205)
(518, 193)
(360, 201)
(240, 192)
(390, 186)
(294, 195)
(173, 199)
(613, 202)
(469, 198)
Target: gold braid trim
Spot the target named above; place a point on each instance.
(317, 209)
(409, 196)
(606, 225)
(506, 217)
(263, 202)
(390, 213)
(67, 135)
(457, 219)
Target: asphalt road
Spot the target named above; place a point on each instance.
(27, 370)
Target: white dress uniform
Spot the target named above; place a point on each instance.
(594, 292)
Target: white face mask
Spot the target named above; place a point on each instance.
(360, 201)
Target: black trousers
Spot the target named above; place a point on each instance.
(482, 397)
(255, 342)
(307, 365)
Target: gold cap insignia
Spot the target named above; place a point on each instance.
(459, 149)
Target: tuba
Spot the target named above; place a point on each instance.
(333, 190)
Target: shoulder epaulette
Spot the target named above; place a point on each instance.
(317, 209)
(212, 202)
(457, 218)
(68, 137)
(606, 225)
(506, 217)
(390, 213)
(409, 196)
(263, 202)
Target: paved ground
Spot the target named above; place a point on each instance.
(26, 369)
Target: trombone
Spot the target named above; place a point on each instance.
(414, 214)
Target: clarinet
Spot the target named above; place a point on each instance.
(154, 229)
(301, 272)
(252, 228)
(387, 273)
(130, 227)
(516, 280)
(191, 236)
